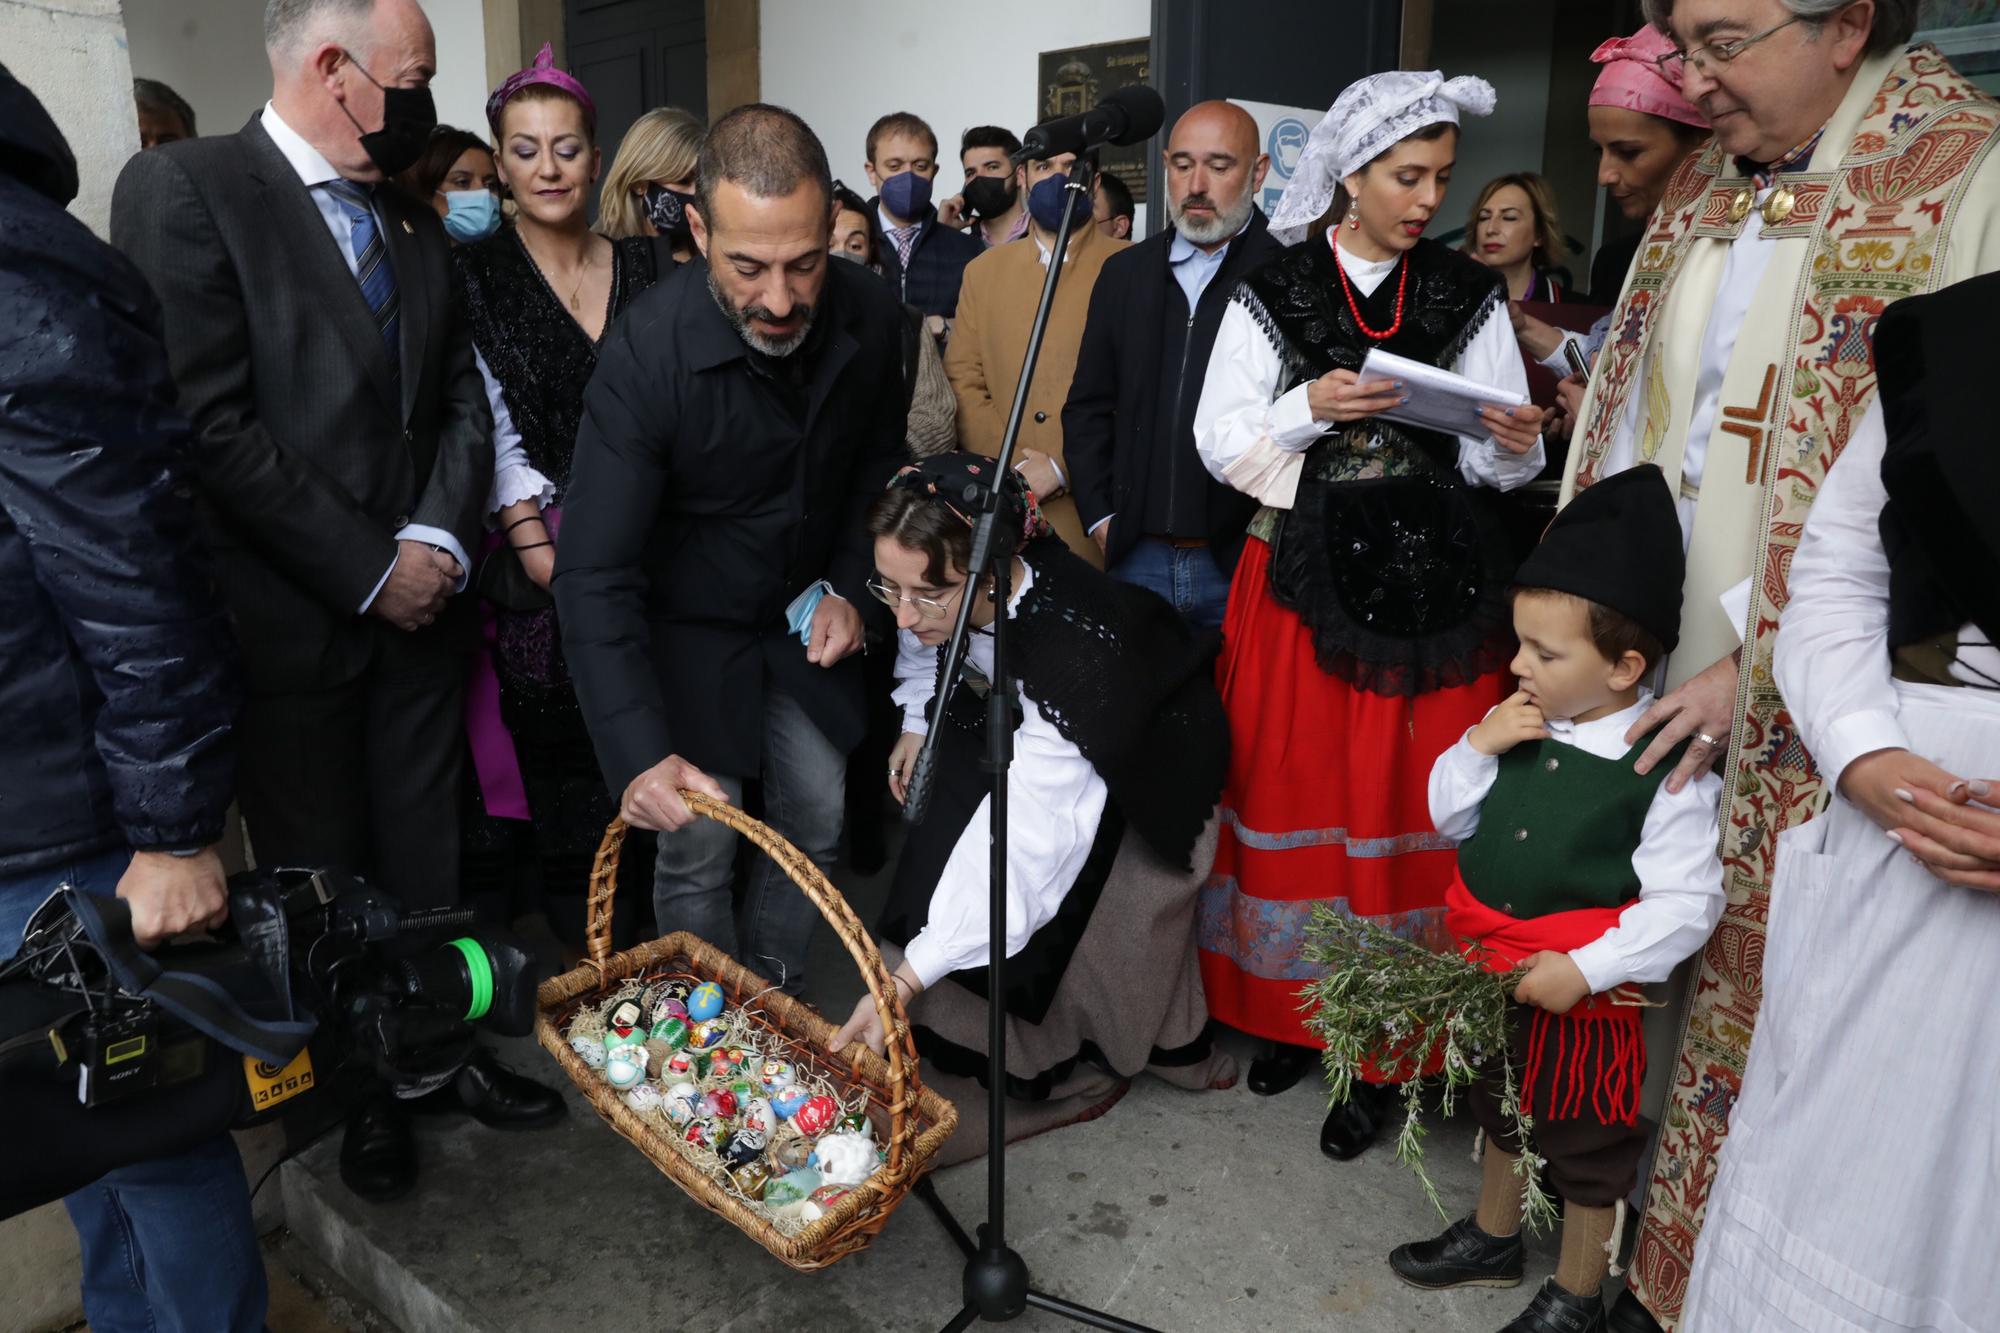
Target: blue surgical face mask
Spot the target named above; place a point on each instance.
(1045, 203)
(907, 195)
(471, 215)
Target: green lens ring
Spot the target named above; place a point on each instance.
(480, 971)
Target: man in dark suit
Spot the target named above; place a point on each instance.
(343, 454)
(743, 415)
(1128, 425)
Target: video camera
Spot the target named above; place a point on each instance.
(110, 1054)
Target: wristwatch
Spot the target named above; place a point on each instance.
(186, 853)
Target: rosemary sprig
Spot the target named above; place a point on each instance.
(1421, 1017)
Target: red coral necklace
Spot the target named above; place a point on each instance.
(1354, 307)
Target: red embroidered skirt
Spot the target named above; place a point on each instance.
(1326, 803)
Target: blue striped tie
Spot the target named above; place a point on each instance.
(372, 268)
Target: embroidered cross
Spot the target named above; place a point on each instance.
(1748, 422)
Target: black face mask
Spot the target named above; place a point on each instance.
(990, 196)
(667, 211)
(408, 117)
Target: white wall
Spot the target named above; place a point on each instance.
(211, 52)
(957, 65)
(71, 55)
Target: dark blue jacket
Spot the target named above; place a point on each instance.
(118, 681)
(937, 262)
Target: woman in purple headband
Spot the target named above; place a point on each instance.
(538, 295)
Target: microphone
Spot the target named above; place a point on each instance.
(1133, 114)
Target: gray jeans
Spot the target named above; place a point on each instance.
(804, 800)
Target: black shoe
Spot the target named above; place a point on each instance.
(1555, 1310)
(1628, 1316)
(1285, 1065)
(1352, 1126)
(378, 1154)
(1464, 1256)
(494, 1095)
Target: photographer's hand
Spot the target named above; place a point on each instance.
(172, 895)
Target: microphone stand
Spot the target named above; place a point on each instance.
(995, 1284)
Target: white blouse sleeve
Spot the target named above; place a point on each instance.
(1680, 892)
(1460, 779)
(916, 681)
(1494, 357)
(1055, 801)
(1832, 662)
(1250, 436)
(513, 479)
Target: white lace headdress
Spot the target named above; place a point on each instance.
(1371, 116)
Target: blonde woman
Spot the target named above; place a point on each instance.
(651, 182)
(1514, 228)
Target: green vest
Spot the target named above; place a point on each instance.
(1558, 829)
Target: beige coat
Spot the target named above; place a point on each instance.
(996, 308)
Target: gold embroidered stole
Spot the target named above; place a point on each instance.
(1870, 225)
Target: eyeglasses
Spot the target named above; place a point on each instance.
(927, 608)
(1705, 58)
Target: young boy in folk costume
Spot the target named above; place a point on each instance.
(1592, 876)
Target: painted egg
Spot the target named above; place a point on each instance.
(589, 1050)
(742, 1148)
(789, 1150)
(855, 1122)
(733, 1061)
(670, 1008)
(621, 1072)
(775, 1076)
(707, 1036)
(751, 1177)
(644, 1097)
(844, 1158)
(816, 1115)
(721, 1102)
(679, 1065)
(820, 1200)
(681, 1101)
(792, 1187)
(672, 1032)
(614, 1038)
(758, 1115)
(744, 1089)
(675, 988)
(788, 1101)
(704, 1002)
(705, 1132)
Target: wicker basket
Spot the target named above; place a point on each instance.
(919, 1120)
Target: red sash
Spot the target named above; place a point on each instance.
(1599, 1047)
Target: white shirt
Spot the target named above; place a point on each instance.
(1832, 661)
(1680, 874)
(1241, 407)
(1055, 800)
(514, 479)
(314, 171)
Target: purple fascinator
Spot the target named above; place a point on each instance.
(543, 70)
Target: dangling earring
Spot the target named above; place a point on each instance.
(1353, 216)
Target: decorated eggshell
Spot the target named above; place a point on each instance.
(643, 1097)
(792, 1187)
(721, 1103)
(705, 1132)
(757, 1114)
(789, 1150)
(733, 1061)
(589, 1050)
(816, 1115)
(624, 1025)
(671, 1033)
(704, 1002)
(821, 1199)
(670, 1008)
(742, 1148)
(625, 1066)
(682, 1098)
(751, 1177)
(674, 988)
(745, 1090)
(844, 1158)
(856, 1122)
(787, 1101)
(774, 1076)
(707, 1036)
(680, 1065)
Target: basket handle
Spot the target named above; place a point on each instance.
(898, 1044)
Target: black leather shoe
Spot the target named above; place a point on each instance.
(378, 1154)
(1628, 1316)
(1464, 1256)
(1351, 1127)
(494, 1095)
(1555, 1310)
(1285, 1065)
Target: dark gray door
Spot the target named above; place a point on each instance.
(635, 55)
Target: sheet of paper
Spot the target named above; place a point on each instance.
(1439, 399)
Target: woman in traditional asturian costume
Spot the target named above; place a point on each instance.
(1120, 747)
(1368, 623)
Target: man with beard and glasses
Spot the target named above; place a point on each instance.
(1160, 519)
(714, 565)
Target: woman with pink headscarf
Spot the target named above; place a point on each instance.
(1644, 128)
